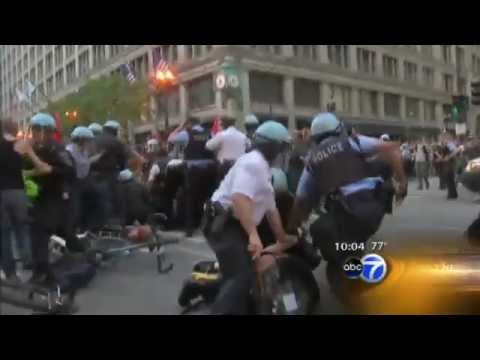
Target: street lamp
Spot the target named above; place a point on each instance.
(163, 81)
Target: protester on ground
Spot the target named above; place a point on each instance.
(137, 197)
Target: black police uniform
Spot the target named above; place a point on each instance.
(354, 218)
(50, 209)
(449, 173)
(200, 179)
(105, 173)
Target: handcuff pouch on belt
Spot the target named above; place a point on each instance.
(216, 218)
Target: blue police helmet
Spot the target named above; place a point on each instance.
(81, 132)
(112, 124)
(43, 120)
(251, 120)
(279, 180)
(95, 127)
(272, 131)
(325, 124)
(125, 175)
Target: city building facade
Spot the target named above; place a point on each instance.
(384, 87)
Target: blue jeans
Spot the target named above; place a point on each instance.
(14, 224)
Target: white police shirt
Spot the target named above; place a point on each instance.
(250, 176)
(230, 144)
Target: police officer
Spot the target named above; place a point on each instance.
(200, 172)
(251, 125)
(49, 209)
(81, 195)
(236, 209)
(95, 128)
(112, 160)
(356, 200)
(228, 145)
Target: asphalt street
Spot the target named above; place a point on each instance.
(425, 223)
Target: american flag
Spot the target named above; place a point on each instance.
(128, 73)
(162, 65)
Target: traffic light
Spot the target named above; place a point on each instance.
(460, 105)
(475, 93)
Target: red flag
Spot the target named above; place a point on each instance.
(58, 136)
(217, 126)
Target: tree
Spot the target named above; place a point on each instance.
(101, 99)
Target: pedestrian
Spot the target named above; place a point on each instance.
(449, 152)
(422, 163)
(137, 197)
(228, 145)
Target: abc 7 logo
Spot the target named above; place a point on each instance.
(371, 268)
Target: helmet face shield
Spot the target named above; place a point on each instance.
(41, 134)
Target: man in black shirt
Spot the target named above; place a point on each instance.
(13, 199)
(50, 208)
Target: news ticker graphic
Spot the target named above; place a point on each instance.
(371, 268)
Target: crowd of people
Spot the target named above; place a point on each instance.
(444, 159)
(224, 176)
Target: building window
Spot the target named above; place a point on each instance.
(392, 105)
(338, 55)
(462, 86)
(69, 50)
(427, 50)
(189, 51)
(71, 72)
(446, 53)
(25, 62)
(411, 47)
(98, 55)
(413, 108)
(368, 102)
(342, 97)
(428, 76)
(40, 69)
(208, 48)
(307, 93)
(390, 67)
(114, 50)
(277, 49)
(59, 80)
(32, 54)
(366, 60)
(58, 55)
(266, 88)
(197, 50)
(50, 85)
(33, 78)
(201, 93)
(410, 71)
(83, 63)
(460, 57)
(39, 51)
(49, 64)
(174, 103)
(429, 110)
(305, 51)
(448, 83)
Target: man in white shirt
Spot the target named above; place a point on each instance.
(228, 146)
(244, 198)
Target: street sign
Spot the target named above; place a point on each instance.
(233, 81)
